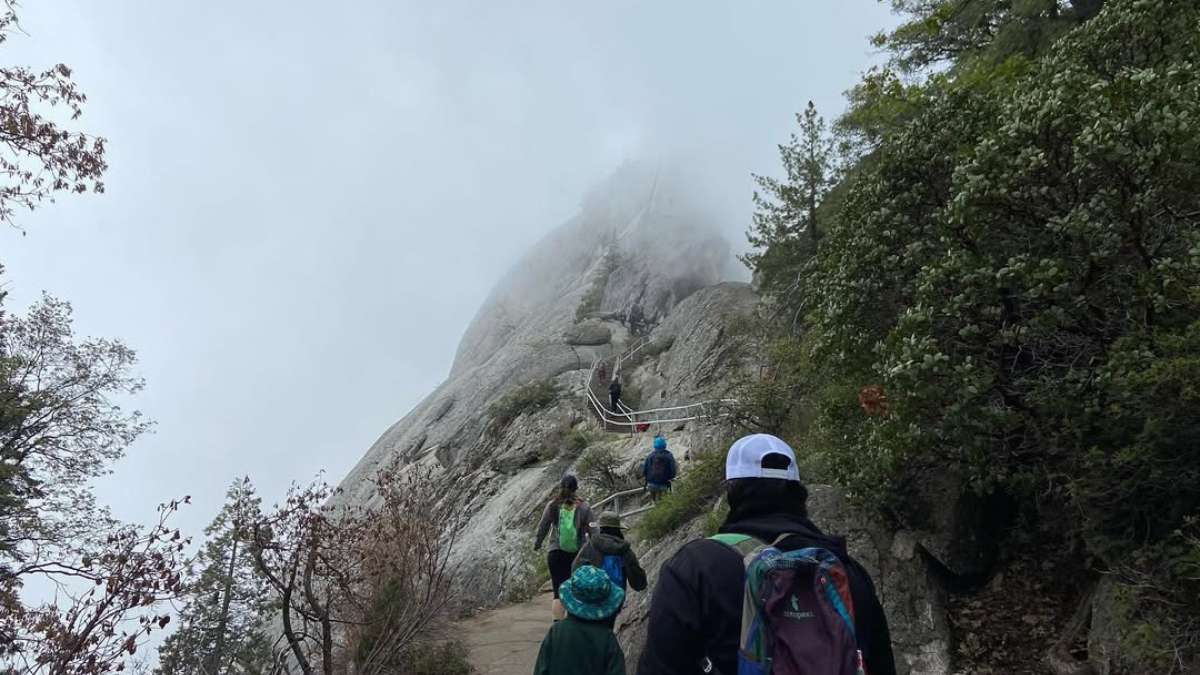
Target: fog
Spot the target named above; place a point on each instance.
(308, 202)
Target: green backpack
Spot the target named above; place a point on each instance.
(568, 537)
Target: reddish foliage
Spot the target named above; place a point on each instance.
(873, 400)
(106, 606)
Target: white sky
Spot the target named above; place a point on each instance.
(307, 202)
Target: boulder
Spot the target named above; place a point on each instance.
(959, 528)
(513, 462)
(590, 333)
(702, 350)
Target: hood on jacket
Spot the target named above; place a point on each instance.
(610, 545)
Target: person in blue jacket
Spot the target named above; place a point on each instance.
(659, 469)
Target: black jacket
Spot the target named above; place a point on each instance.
(602, 545)
(614, 389)
(696, 610)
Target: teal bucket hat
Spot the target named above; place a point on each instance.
(590, 595)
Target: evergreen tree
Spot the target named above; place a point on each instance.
(787, 224)
(221, 620)
(961, 32)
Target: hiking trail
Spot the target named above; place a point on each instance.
(505, 640)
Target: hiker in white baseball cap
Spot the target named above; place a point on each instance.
(745, 459)
(696, 611)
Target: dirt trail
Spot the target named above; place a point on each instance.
(505, 641)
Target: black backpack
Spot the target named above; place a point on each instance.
(660, 468)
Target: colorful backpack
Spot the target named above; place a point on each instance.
(797, 613)
(614, 566)
(568, 536)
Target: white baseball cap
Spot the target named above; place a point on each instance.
(745, 458)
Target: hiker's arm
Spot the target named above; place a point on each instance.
(674, 467)
(873, 627)
(543, 528)
(635, 575)
(674, 640)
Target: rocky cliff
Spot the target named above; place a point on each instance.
(637, 239)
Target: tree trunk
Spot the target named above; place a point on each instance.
(215, 659)
(1059, 659)
(285, 587)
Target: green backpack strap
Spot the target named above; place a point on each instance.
(742, 543)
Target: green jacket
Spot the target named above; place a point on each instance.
(577, 647)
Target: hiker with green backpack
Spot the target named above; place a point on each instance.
(567, 519)
(770, 594)
(609, 551)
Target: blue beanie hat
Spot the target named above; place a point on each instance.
(660, 443)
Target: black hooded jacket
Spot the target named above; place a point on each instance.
(696, 610)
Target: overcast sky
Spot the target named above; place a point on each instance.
(307, 202)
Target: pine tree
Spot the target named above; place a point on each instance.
(786, 221)
(221, 631)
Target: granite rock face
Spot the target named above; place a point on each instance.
(590, 333)
(526, 332)
(637, 241)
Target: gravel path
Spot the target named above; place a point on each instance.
(505, 641)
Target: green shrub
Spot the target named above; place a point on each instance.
(631, 393)
(449, 657)
(578, 441)
(525, 398)
(563, 440)
(691, 493)
(1017, 268)
(716, 518)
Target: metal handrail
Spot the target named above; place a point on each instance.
(631, 416)
(613, 417)
(615, 500)
(627, 493)
(629, 352)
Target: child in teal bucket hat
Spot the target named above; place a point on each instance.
(583, 644)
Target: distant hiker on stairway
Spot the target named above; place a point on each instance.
(614, 394)
(584, 644)
(609, 551)
(635, 319)
(602, 372)
(659, 469)
(567, 520)
(817, 613)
